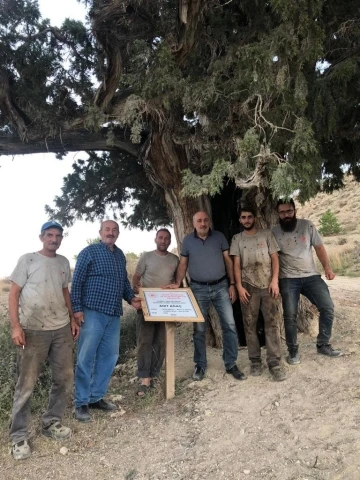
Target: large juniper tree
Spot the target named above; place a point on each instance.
(191, 92)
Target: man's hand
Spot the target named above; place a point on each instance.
(18, 336)
(274, 288)
(79, 318)
(329, 274)
(232, 293)
(75, 328)
(172, 285)
(136, 303)
(136, 288)
(244, 295)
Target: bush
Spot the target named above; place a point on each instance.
(128, 334)
(8, 375)
(329, 224)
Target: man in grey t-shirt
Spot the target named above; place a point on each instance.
(154, 270)
(44, 329)
(298, 275)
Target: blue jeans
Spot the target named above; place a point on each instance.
(218, 295)
(98, 351)
(316, 290)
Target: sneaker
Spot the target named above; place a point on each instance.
(57, 431)
(328, 351)
(103, 405)
(198, 374)
(21, 450)
(82, 414)
(236, 373)
(255, 369)
(293, 359)
(277, 374)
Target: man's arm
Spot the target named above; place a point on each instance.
(75, 328)
(324, 260)
(79, 278)
(230, 273)
(136, 282)
(17, 333)
(274, 284)
(244, 295)
(180, 272)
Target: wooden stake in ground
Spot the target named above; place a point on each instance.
(170, 306)
(170, 360)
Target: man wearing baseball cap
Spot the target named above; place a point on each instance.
(43, 329)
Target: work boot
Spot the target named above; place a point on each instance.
(328, 351)
(236, 373)
(293, 358)
(277, 373)
(21, 450)
(198, 374)
(82, 413)
(255, 369)
(103, 405)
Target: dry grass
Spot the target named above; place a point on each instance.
(343, 249)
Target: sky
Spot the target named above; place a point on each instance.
(29, 182)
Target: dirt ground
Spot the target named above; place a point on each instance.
(305, 428)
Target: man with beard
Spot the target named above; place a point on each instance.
(206, 253)
(154, 270)
(298, 275)
(256, 269)
(99, 285)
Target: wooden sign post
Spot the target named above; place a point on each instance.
(170, 306)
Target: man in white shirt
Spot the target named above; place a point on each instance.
(44, 329)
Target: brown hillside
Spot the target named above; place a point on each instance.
(343, 249)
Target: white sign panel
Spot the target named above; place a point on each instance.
(170, 303)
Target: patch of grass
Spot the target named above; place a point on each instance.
(128, 335)
(131, 474)
(340, 262)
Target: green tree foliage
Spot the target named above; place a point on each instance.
(329, 224)
(265, 93)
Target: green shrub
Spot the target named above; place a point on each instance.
(329, 224)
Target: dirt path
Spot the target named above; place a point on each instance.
(307, 427)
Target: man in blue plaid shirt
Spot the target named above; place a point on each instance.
(99, 284)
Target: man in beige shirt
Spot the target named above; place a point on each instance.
(44, 329)
(154, 270)
(256, 270)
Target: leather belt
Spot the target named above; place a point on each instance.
(215, 282)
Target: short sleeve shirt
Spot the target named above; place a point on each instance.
(255, 260)
(296, 256)
(42, 279)
(156, 270)
(206, 261)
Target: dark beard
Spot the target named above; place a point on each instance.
(248, 228)
(288, 224)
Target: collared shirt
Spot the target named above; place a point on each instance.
(100, 280)
(206, 260)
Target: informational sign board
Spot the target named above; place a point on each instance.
(165, 305)
(170, 306)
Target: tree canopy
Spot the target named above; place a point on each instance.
(181, 96)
